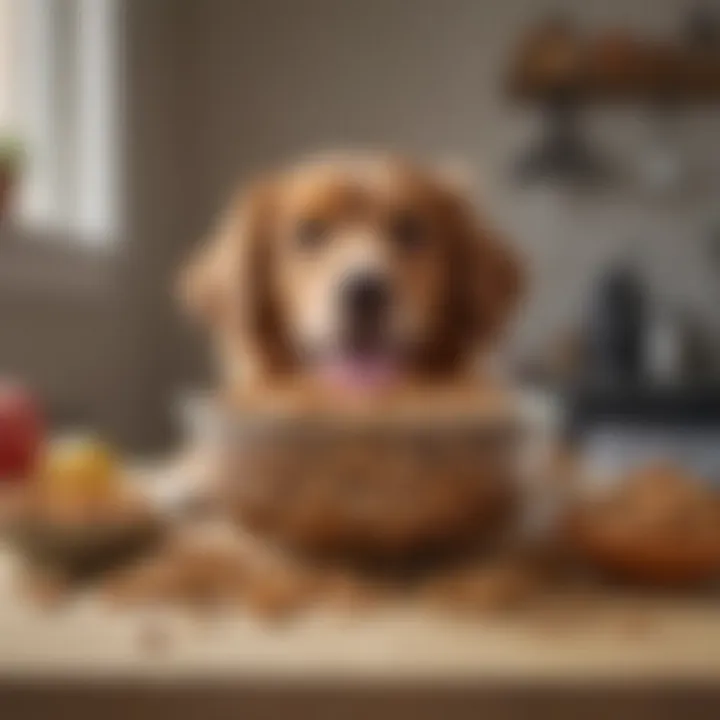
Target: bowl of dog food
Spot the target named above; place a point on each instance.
(389, 477)
(657, 525)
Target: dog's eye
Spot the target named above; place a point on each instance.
(311, 233)
(408, 231)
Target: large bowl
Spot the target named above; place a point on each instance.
(656, 525)
(384, 480)
(638, 559)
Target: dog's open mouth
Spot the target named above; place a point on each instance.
(365, 370)
(360, 364)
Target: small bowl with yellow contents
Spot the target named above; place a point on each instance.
(81, 513)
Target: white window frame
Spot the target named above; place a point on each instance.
(7, 48)
(67, 100)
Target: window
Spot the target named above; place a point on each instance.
(58, 95)
(7, 47)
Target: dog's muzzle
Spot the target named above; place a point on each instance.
(364, 305)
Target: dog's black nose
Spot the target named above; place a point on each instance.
(365, 296)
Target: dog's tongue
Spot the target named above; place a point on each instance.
(365, 372)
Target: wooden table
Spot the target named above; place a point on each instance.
(645, 658)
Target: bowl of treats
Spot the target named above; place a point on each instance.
(80, 512)
(409, 473)
(659, 524)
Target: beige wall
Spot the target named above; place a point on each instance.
(218, 89)
(58, 333)
(271, 79)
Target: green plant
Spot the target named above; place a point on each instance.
(12, 153)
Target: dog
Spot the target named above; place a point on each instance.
(352, 272)
(355, 271)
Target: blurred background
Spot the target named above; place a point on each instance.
(587, 131)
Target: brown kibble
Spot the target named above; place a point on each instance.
(398, 478)
(154, 638)
(485, 589)
(277, 594)
(568, 612)
(345, 591)
(48, 590)
(188, 571)
(638, 623)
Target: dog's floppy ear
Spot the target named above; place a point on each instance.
(226, 284)
(500, 282)
(204, 283)
(489, 278)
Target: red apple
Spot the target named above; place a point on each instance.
(21, 432)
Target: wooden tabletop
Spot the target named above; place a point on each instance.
(566, 638)
(85, 652)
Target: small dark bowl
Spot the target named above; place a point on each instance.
(84, 549)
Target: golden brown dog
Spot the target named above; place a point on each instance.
(356, 269)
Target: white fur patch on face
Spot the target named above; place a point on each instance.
(319, 316)
(354, 203)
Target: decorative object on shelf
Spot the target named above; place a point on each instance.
(666, 346)
(563, 152)
(617, 65)
(563, 70)
(11, 159)
(702, 28)
(617, 326)
(552, 57)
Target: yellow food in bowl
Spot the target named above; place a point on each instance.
(80, 468)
